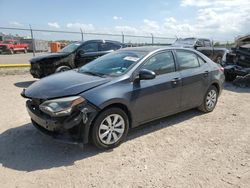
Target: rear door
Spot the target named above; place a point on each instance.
(195, 77)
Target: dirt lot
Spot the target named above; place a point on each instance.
(190, 149)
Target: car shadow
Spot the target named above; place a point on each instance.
(24, 84)
(231, 87)
(25, 149)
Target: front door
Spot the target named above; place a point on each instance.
(86, 53)
(160, 96)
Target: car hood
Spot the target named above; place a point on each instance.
(63, 84)
(49, 56)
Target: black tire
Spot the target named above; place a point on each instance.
(205, 107)
(11, 51)
(62, 69)
(96, 131)
(229, 77)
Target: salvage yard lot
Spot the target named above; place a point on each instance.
(189, 149)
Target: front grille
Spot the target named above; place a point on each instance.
(3, 47)
(42, 69)
(35, 66)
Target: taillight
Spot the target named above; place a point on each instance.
(222, 69)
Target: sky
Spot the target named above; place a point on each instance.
(215, 19)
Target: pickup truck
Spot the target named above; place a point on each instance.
(12, 46)
(218, 55)
(192, 42)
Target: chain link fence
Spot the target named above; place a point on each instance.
(13, 33)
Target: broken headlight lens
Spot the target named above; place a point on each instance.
(61, 107)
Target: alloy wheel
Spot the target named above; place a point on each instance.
(211, 99)
(111, 129)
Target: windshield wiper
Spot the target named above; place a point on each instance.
(93, 73)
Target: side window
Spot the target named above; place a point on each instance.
(109, 46)
(199, 43)
(90, 47)
(187, 60)
(161, 63)
(201, 61)
(207, 43)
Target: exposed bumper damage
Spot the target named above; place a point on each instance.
(69, 129)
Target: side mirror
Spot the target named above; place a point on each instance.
(80, 52)
(145, 74)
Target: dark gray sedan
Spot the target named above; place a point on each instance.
(102, 100)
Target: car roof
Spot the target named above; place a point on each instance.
(154, 48)
(99, 40)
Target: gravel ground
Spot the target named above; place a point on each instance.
(189, 149)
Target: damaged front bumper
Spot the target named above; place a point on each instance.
(70, 129)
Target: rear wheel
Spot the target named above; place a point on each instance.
(110, 128)
(210, 100)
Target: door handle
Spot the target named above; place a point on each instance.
(175, 81)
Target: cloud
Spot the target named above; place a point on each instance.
(77, 25)
(15, 23)
(221, 18)
(150, 25)
(117, 18)
(54, 24)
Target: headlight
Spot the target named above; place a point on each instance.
(61, 107)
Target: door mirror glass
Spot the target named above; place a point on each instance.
(145, 74)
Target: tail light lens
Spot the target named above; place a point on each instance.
(221, 69)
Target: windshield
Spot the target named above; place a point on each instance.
(70, 48)
(187, 41)
(113, 64)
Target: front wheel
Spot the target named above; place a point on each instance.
(110, 128)
(11, 51)
(62, 69)
(210, 100)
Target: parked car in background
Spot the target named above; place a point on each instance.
(240, 59)
(72, 56)
(102, 100)
(13, 46)
(192, 43)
